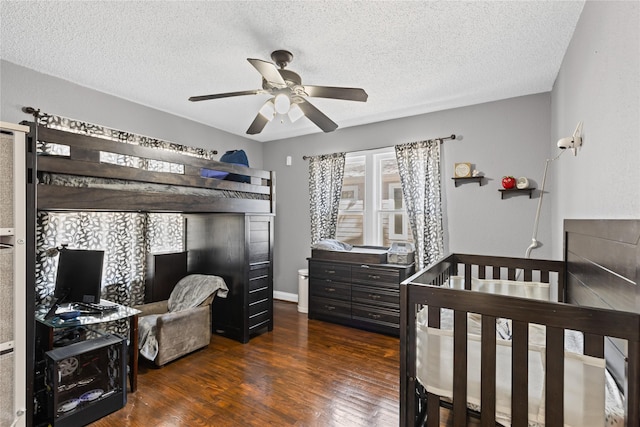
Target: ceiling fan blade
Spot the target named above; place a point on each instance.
(347, 93)
(269, 72)
(226, 95)
(317, 116)
(258, 124)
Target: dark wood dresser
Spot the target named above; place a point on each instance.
(362, 295)
(239, 248)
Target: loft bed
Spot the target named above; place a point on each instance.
(83, 180)
(479, 335)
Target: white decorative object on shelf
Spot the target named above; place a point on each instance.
(522, 183)
(462, 170)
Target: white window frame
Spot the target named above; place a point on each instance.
(395, 212)
(372, 209)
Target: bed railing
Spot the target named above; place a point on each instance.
(425, 289)
(84, 159)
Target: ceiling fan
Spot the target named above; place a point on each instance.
(288, 94)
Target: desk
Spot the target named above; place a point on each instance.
(122, 312)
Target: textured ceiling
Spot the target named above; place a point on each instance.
(411, 57)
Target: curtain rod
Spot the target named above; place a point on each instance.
(442, 139)
(36, 113)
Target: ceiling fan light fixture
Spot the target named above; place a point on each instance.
(282, 103)
(295, 112)
(268, 110)
(288, 95)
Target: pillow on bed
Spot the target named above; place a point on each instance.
(236, 157)
(210, 173)
(332, 245)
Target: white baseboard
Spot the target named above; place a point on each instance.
(285, 296)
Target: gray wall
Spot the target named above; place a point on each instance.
(599, 83)
(21, 87)
(509, 137)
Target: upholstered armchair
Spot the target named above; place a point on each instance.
(182, 324)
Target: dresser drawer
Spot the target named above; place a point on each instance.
(261, 305)
(324, 307)
(380, 316)
(259, 281)
(376, 276)
(334, 290)
(259, 295)
(259, 320)
(331, 272)
(375, 296)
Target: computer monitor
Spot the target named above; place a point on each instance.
(79, 276)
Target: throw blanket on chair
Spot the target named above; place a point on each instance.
(190, 292)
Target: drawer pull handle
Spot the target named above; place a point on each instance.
(364, 266)
(374, 316)
(330, 271)
(330, 289)
(374, 296)
(329, 307)
(372, 276)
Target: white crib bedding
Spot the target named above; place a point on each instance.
(592, 397)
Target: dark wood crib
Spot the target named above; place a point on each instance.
(597, 285)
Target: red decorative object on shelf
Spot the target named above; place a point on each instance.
(508, 182)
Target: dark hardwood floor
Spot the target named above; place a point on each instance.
(304, 373)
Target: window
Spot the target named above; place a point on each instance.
(371, 208)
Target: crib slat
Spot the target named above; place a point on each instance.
(488, 372)
(511, 273)
(527, 275)
(460, 369)
(544, 276)
(433, 316)
(467, 276)
(554, 378)
(433, 410)
(482, 272)
(519, 373)
(632, 401)
(594, 345)
(496, 272)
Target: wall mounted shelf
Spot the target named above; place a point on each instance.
(516, 191)
(477, 179)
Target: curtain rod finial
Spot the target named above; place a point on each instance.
(31, 110)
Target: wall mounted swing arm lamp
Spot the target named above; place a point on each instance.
(571, 142)
(574, 141)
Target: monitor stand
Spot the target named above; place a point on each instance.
(52, 311)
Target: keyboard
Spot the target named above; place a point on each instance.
(93, 307)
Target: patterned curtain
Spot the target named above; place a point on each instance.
(325, 187)
(419, 169)
(125, 237)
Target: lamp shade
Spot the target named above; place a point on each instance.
(282, 103)
(268, 110)
(295, 112)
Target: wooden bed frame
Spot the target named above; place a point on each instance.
(598, 282)
(84, 160)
